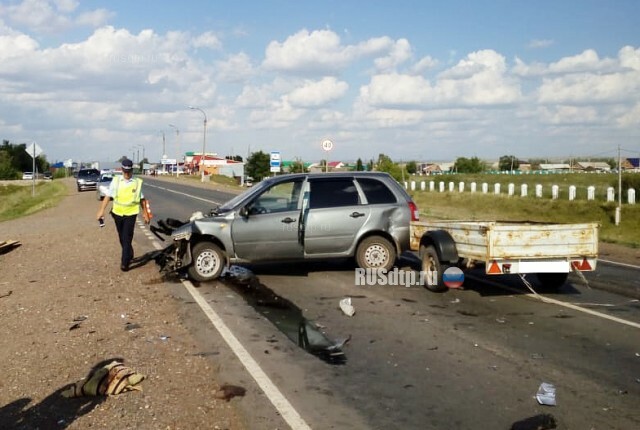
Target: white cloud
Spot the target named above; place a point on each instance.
(584, 88)
(53, 16)
(318, 93)
(478, 80)
(236, 68)
(94, 18)
(207, 40)
(424, 64)
(398, 54)
(587, 61)
(319, 52)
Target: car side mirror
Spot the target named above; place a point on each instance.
(244, 212)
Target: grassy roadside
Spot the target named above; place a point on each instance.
(17, 200)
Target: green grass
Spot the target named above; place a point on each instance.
(488, 207)
(217, 179)
(17, 200)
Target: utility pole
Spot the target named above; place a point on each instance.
(619, 208)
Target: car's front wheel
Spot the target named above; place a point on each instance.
(208, 262)
(376, 252)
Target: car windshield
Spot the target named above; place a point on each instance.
(231, 204)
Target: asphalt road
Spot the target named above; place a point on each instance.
(464, 359)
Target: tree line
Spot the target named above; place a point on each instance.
(14, 160)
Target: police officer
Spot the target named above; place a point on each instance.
(126, 193)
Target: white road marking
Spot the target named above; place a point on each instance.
(282, 405)
(558, 302)
(615, 263)
(183, 194)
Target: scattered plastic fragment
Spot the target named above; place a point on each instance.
(164, 337)
(80, 318)
(6, 295)
(456, 300)
(131, 326)
(546, 394)
(347, 307)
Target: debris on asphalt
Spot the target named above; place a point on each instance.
(80, 318)
(75, 326)
(6, 295)
(165, 337)
(228, 392)
(106, 380)
(347, 307)
(546, 394)
(537, 356)
(537, 422)
(131, 326)
(238, 274)
(456, 300)
(6, 246)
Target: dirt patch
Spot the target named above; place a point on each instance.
(65, 306)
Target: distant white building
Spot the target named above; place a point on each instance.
(556, 167)
(595, 166)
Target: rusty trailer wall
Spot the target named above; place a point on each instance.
(496, 240)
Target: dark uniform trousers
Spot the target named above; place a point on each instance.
(125, 225)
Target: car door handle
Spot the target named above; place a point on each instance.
(288, 220)
(356, 214)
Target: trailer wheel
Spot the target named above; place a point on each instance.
(431, 265)
(376, 252)
(551, 281)
(208, 262)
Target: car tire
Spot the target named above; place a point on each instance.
(376, 252)
(208, 261)
(431, 264)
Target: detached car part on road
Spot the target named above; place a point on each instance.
(365, 215)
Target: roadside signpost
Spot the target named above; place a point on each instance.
(34, 151)
(275, 162)
(327, 146)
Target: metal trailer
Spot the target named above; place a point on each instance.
(551, 251)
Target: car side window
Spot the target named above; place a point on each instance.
(330, 193)
(281, 197)
(376, 191)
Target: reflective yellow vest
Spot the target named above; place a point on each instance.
(126, 200)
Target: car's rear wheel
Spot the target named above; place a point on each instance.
(208, 262)
(376, 252)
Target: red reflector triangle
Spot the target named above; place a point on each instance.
(585, 265)
(494, 269)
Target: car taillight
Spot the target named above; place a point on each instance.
(415, 214)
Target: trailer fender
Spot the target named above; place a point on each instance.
(443, 243)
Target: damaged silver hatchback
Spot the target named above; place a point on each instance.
(365, 215)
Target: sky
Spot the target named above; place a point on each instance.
(414, 79)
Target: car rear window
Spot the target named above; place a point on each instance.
(376, 192)
(330, 193)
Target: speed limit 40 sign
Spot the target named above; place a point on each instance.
(327, 145)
